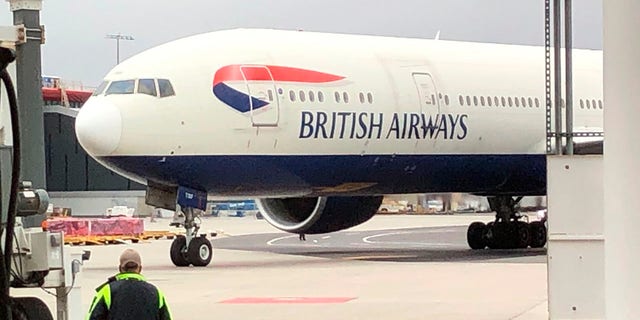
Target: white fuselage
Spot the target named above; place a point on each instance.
(253, 96)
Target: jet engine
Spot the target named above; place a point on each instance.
(318, 215)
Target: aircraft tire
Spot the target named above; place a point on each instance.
(200, 252)
(490, 235)
(30, 308)
(538, 234)
(502, 237)
(476, 235)
(178, 257)
(522, 235)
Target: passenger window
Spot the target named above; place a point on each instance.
(482, 101)
(292, 95)
(600, 104)
(147, 86)
(345, 97)
(581, 104)
(489, 101)
(510, 102)
(320, 96)
(593, 103)
(504, 104)
(537, 103)
(461, 100)
(370, 97)
(517, 102)
(361, 95)
(100, 89)
(524, 102)
(496, 101)
(530, 103)
(468, 101)
(311, 96)
(121, 87)
(270, 94)
(446, 99)
(302, 98)
(165, 88)
(475, 101)
(588, 104)
(337, 95)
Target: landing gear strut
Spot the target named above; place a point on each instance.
(190, 249)
(507, 231)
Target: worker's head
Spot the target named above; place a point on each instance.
(130, 261)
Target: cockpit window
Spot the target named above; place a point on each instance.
(147, 86)
(165, 88)
(100, 88)
(121, 87)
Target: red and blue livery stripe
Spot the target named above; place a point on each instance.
(241, 101)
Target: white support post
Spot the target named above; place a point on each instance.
(69, 296)
(622, 158)
(576, 242)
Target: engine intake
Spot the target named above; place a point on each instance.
(318, 215)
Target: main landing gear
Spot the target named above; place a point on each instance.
(507, 231)
(190, 249)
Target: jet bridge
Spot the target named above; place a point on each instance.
(574, 187)
(593, 227)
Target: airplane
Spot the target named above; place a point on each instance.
(318, 126)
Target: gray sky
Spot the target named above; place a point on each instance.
(77, 50)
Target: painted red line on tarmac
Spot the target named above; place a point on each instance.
(287, 300)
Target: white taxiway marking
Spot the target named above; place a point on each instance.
(367, 239)
(413, 244)
(273, 241)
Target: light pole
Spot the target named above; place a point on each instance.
(118, 36)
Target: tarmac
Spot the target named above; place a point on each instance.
(403, 270)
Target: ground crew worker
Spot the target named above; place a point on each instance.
(128, 296)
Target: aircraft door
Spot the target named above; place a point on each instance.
(263, 98)
(427, 93)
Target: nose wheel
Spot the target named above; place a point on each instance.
(200, 252)
(178, 252)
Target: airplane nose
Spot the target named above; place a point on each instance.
(99, 127)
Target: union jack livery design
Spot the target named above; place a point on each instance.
(245, 102)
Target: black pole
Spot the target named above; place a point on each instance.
(547, 74)
(569, 71)
(557, 74)
(29, 87)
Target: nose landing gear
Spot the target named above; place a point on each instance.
(190, 249)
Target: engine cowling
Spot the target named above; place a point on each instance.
(318, 215)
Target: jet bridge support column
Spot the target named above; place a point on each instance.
(621, 161)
